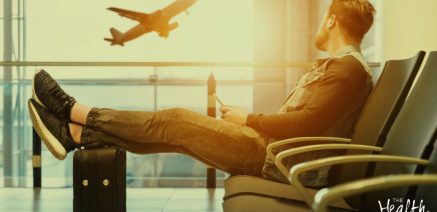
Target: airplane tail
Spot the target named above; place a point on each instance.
(115, 37)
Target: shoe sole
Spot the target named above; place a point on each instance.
(46, 136)
(34, 96)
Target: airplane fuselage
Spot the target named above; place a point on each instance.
(133, 33)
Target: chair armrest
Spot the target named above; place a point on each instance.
(291, 152)
(315, 164)
(326, 196)
(276, 144)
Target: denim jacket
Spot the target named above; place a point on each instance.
(340, 126)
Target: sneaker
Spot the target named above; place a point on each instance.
(47, 93)
(52, 130)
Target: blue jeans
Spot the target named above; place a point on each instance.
(224, 145)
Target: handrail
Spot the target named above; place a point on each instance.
(167, 64)
(160, 82)
(159, 64)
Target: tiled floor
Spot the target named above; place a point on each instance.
(138, 199)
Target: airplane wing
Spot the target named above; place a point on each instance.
(136, 16)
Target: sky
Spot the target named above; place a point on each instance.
(214, 30)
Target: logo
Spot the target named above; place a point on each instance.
(402, 205)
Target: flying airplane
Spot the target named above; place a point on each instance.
(158, 21)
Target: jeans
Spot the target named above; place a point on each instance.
(227, 146)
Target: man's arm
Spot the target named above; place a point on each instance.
(343, 80)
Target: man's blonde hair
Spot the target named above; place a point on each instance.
(355, 16)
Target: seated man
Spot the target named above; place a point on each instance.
(326, 102)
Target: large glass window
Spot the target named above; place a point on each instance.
(213, 30)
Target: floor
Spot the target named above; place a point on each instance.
(138, 199)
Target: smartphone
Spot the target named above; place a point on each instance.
(218, 100)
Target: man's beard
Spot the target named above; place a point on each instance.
(322, 39)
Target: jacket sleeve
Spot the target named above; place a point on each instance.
(335, 92)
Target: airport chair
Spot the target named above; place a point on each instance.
(388, 96)
(423, 187)
(325, 197)
(411, 140)
(424, 192)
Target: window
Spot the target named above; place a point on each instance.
(216, 30)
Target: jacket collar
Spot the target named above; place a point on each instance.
(343, 52)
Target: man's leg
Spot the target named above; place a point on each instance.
(94, 136)
(227, 146)
(230, 147)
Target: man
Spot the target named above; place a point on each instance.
(326, 102)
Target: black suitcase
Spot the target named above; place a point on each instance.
(99, 180)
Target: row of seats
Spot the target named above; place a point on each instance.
(389, 160)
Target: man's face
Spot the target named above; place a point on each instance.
(322, 36)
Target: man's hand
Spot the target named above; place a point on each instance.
(234, 114)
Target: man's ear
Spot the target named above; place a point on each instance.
(332, 21)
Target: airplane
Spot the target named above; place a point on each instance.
(157, 21)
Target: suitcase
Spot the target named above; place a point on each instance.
(99, 180)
